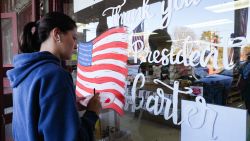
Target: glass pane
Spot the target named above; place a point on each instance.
(7, 41)
(170, 43)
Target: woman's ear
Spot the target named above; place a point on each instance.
(56, 34)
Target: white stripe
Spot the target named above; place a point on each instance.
(110, 61)
(87, 95)
(111, 50)
(82, 92)
(102, 73)
(103, 86)
(120, 37)
(118, 103)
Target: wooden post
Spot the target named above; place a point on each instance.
(240, 30)
(35, 10)
(2, 126)
(55, 5)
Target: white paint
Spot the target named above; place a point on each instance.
(190, 57)
(129, 103)
(135, 47)
(224, 124)
(114, 49)
(159, 96)
(200, 108)
(174, 5)
(174, 101)
(106, 95)
(130, 17)
(102, 73)
(138, 15)
(110, 61)
(82, 4)
(133, 91)
(102, 86)
(119, 37)
(152, 105)
(85, 94)
(118, 102)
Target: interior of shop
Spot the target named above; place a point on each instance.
(213, 32)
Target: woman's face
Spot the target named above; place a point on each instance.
(68, 43)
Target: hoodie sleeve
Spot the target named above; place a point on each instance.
(88, 120)
(58, 120)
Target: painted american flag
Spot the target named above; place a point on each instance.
(102, 64)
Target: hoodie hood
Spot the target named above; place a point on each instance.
(25, 63)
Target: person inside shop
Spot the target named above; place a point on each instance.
(244, 82)
(44, 101)
(159, 40)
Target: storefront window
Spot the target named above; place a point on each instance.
(7, 42)
(182, 45)
(14, 15)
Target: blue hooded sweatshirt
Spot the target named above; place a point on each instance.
(44, 103)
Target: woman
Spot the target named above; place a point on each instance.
(44, 102)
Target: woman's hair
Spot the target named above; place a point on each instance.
(31, 41)
(248, 58)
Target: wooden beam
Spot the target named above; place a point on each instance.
(2, 126)
(56, 5)
(35, 10)
(240, 30)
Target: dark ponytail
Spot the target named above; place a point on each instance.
(31, 41)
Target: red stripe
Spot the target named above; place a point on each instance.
(115, 68)
(79, 94)
(116, 44)
(118, 109)
(111, 106)
(114, 56)
(109, 32)
(115, 92)
(101, 80)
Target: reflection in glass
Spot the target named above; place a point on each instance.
(7, 40)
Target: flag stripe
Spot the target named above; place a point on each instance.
(110, 39)
(104, 85)
(116, 108)
(115, 44)
(82, 92)
(78, 94)
(114, 56)
(107, 33)
(102, 73)
(101, 80)
(104, 67)
(102, 64)
(110, 62)
(118, 102)
(119, 51)
(90, 91)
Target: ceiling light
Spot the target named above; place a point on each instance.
(210, 23)
(229, 6)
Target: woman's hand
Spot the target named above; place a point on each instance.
(94, 104)
(79, 106)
